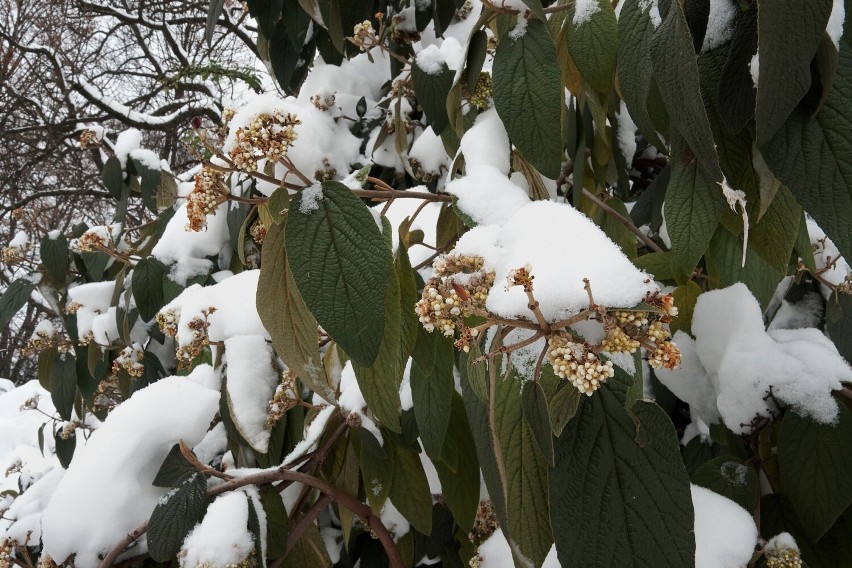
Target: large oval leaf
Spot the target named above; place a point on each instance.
(340, 263)
(14, 298)
(592, 42)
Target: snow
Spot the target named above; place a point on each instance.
(531, 237)
(109, 481)
(626, 134)
(235, 314)
(495, 552)
(133, 117)
(520, 28)
(251, 383)
(394, 521)
(779, 542)
(146, 157)
(94, 298)
(428, 150)
(186, 251)
(20, 240)
(24, 516)
(430, 60)
(222, 537)
(487, 196)
(486, 143)
(523, 360)
(351, 400)
(720, 24)
(406, 400)
(834, 28)
(312, 436)
(725, 533)
(652, 8)
(584, 10)
(311, 196)
(741, 362)
(754, 67)
(126, 142)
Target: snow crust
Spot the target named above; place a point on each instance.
(222, 537)
(109, 481)
(185, 251)
(725, 533)
(430, 60)
(720, 24)
(486, 143)
(736, 360)
(94, 299)
(251, 384)
(487, 195)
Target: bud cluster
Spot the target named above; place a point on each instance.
(783, 558)
(268, 136)
(130, 359)
(628, 329)
(94, 239)
(89, 139)
(205, 198)
(578, 363)
(364, 36)
(283, 400)
(323, 102)
(43, 338)
(481, 95)
(6, 548)
(258, 231)
(199, 327)
(458, 290)
(68, 429)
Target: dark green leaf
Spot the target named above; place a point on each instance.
(736, 92)
(277, 522)
(563, 406)
(685, 298)
(432, 389)
(789, 34)
(297, 21)
(340, 262)
(13, 299)
(476, 374)
(377, 469)
(113, 176)
(461, 488)
(476, 52)
(593, 45)
(149, 184)
(635, 73)
(697, 13)
(147, 286)
(285, 316)
(63, 384)
(724, 266)
(814, 158)
(174, 516)
(537, 417)
(266, 12)
(838, 323)
(693, 207)
(676, 72)
(528, 96)
(308, 551)
(54, 255)
(46, 359)
(213, 12)
(65, 448)
(613, 495)
(731, 478)
(773, 237)
(432, 90)
(174, 470)
(816, 468)
(410, 490)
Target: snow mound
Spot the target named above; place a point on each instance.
(725, 533)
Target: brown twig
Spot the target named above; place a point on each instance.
(626, 223)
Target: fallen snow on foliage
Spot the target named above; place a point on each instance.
(495, 552)
(251, 382)
(487, 196)
(23, 519)
(109, 482)
(736, 358)
(535, 236)
(428, 150)
(430, 60)
(222, 537)
(626, 133)
(652, 8)
(780, 542)
(426, 221)
(833, 267)
(834, 28)
(185, 251)
(126, 142)
(725, 533)
(93, 299)
(235, 314)
(486, 143)
(720, 24)
(584, 10)
(351, 400)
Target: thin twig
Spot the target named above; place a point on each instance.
(623, 221)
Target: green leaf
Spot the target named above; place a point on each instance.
(377, 469)
(277, 522)
(476, 374)
(537, 417)
(149, 184)
(266, 12)
(731, 478)
(340, 262)
(724, 266)
(814, 158)
(432, 389)
(46, 358)
(54, 255)
(410, 490)
(635, 73)
(285, 316)
(475, 58)
(174, 516)
(838, 323)
(432, 89)
(461, 487)
(213, 12)
(563, 406)
(65, 448)
(407, 298)
(113, 176)
(308, 551)
(693, 207)
(815, 461)
(735, 96)
(147, 286)
(772, 237)
(528, 95)
(593, 45)
(789, 34)
(685, 298)
(676, 72)
(63, 384)
(832, 551)
(13, 299)
(612, 496)
(174, 470)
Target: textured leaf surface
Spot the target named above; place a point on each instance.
(285, 316)
(13, 299)
(816, 469)
(174, 470)
(147, 286)
(175, 516)
(410, 490)
(593, 45)
(461, 487)
(528, 95)
(432, 90)
(616, 502)
(54, 255)
(838, 323)
(730, 477)
(63, 384)
(340, 263)
(432, 389)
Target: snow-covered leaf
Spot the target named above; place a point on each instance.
(730, 477)
(174, 470)
(611, 494)
(174, 516)
(432, 82)
(340, 262)
(592, 43)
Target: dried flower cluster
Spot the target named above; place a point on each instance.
(323, 102)
(209, 192)
(258, 231)
(6, 548)
(95, 239)
(283, 400)
(130, 359)
(89, 139)
(199, 327)
(458, 290)
(16, 253)
(578, 363)
(43, 338)
(364, 36)
(628, 329)
(269, 136)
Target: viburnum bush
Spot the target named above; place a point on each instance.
(495, 283)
